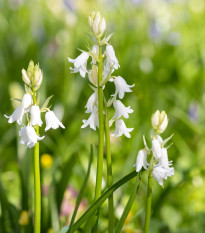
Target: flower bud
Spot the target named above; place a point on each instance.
(30, 70)
(159, 121)
(97, 23)
(38, 77)
(25, 77)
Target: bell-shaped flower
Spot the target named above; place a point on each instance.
(121, 86)
(120, 129)
(111, 60)
(159, 121)
(160, 174)
(28, 136)
(52, 121)
(156, 149)
(17, 115)
(141, 160)
(163, 161)
(36, 115)
(93, 120)
(92, 102)
(27, 101)
(80, 64)
(121, 110)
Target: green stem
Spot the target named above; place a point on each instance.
(149, 198)
(101, 129)
(109, 175)
(98, 186)
(37, 181)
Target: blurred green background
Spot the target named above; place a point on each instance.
(160, 47)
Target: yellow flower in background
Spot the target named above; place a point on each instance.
(129, 217)
(50, 231)
(24, 218)
(46, 161)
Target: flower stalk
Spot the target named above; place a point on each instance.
(101, 128)
(109, 174)
(37, 181)
(149, 198)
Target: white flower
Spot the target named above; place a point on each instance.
(160, 174)
(29, 136)
(120, 129)
(27, 101)
(111, 59)
(159, 121)
(80, 63)
(17, 115)
(121, 86)
(121, 110)
(52, 121)
(92, 102)
(163, 161)
(141, 160)
(36, 116)
(156, 149)
(93, 120)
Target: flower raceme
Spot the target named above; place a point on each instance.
(29, 107)
(159, 163)
(109, 65)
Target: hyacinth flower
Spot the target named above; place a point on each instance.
(100, 63)
(28, 115)
(155, 160)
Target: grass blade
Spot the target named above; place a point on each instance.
(80, 196)
(102, 198)
(128, 206)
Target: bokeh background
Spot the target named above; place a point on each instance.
(160, 47)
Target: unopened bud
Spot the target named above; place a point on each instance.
(25, 77)
(97, 23)
(38, 77)
(159, 121)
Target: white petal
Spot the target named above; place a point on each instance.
(36, 116)
(17, 115)
(27, 101)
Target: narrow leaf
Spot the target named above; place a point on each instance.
(46, 102)
(66, 174)
(80, 195)
(102, 198)
(128, 206)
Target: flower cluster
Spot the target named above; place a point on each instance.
(110, 64)
(159, 165)
(29, 106)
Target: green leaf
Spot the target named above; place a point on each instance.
(128, 206)
(64, 229)
(53, 210)
(80, 195)
(46, 103)
(102, 198)
(63, 183)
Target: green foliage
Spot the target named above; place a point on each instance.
(161, 49)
